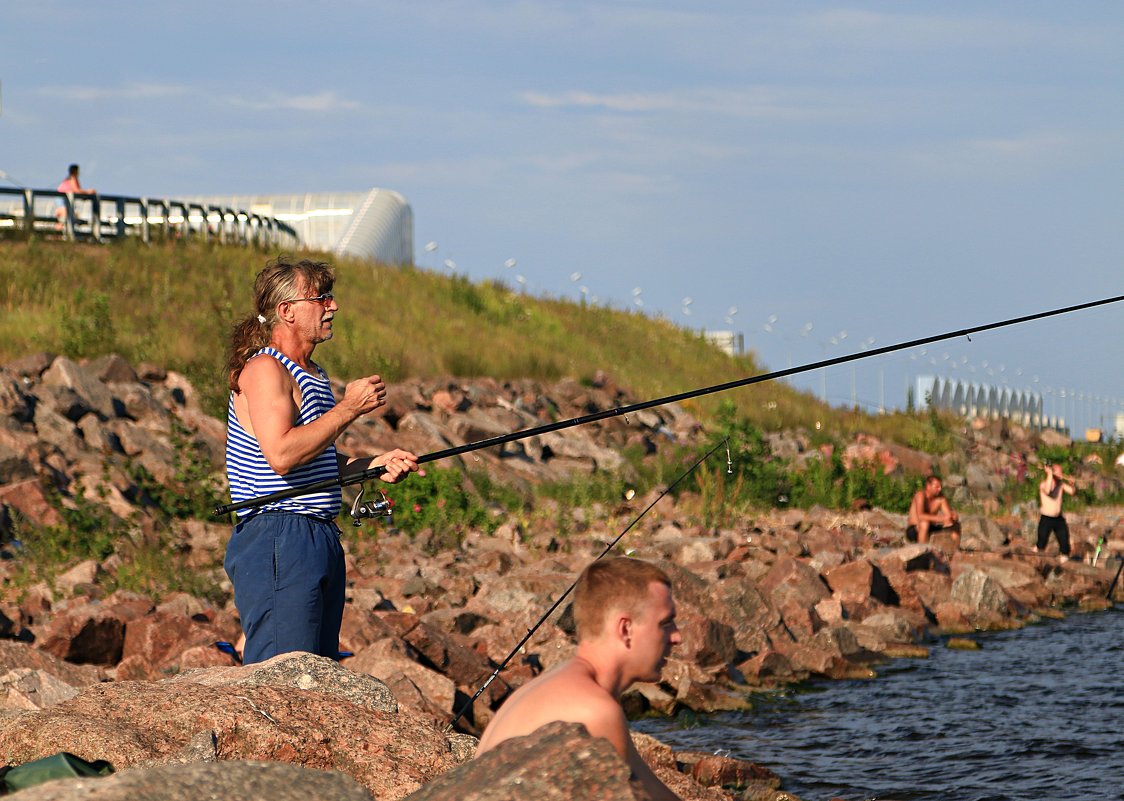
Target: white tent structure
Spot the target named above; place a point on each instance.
(377, 224)
(986, 401)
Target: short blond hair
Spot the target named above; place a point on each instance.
(618, 583)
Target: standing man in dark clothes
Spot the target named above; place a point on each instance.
(1050, 492)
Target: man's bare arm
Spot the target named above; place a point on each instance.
(398, 464)
(268, 390)
(944, 514)
(608, 721)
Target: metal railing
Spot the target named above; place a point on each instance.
(105, 218)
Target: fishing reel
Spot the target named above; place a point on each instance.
(365, 510)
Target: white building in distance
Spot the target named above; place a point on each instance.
(732, 343)
(983, 400)
(377, 224)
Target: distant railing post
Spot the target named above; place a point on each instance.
(162, 220)
(204, 232)
(95, 218)
(68, 217)
(28, 212)
(173, 228)
(143, 202)
(120, 205)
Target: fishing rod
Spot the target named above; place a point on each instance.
(531, 631)
(374, 472)
(1115, 578)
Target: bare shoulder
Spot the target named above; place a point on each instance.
(263, 371)
(565, 694)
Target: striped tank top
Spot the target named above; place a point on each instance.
(249, 474)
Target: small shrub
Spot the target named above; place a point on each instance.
(763, 481)
(87, 531)
(87, 327)
(193, 491)
(437, 501)
(935, 437)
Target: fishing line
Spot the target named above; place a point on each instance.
(531, 631)
(374, 472)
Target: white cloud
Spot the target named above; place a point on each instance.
(319, 103)
(96, 94)
(1028, 155)
(755, 102)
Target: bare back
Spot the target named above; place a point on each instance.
(568, 693)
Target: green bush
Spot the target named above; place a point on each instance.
(437, 501)
(87, 326)
(88, 530)
(828, 483)
(148, 559)
(935, 436)
(763, 481)
(193, 491)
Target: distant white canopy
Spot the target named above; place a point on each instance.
(377, 224)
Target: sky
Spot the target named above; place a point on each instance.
(791, 171)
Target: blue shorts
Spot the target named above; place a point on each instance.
(289, 582)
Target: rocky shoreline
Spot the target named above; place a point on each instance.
(773, 598)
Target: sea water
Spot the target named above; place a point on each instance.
(1036, 713)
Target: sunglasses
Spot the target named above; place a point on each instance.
(323, 299)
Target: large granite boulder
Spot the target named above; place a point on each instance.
(241, 780)
(295, 708)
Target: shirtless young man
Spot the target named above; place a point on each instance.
(1050, 491)
(626, 628)
(929, 512)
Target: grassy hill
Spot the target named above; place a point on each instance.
(174, 304)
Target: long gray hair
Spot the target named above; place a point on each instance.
(278, 282)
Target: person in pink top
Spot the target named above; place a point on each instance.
(70, 185)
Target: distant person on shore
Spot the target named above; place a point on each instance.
(284, 558)
(929, 512)
(626, 628)
(1050, 492)
(71, 185)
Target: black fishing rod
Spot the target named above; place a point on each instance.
(375, 472)
(1115, 578)
(531, 631)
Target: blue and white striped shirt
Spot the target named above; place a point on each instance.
(250, 475)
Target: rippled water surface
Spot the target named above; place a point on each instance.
(1035, 714)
